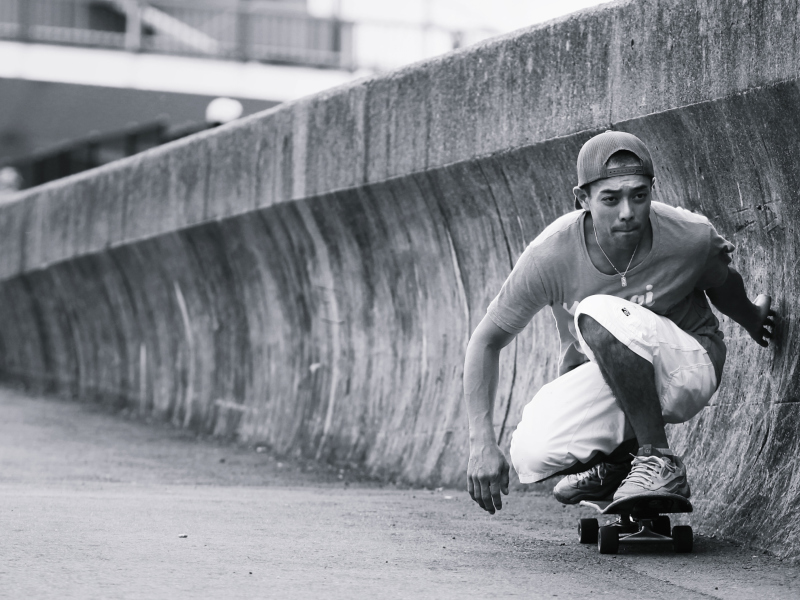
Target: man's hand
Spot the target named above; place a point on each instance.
(763, 322)
(756, 317)
(487, 476)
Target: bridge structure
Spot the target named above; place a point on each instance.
(307, 278)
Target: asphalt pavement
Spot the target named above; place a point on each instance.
(98, 503)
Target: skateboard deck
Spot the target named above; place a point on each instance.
(648, 503)
(641, 519)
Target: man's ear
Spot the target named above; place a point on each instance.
(581, 197)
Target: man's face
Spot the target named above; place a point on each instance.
(620, 208)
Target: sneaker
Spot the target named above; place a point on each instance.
(652, 471)
(598, 483)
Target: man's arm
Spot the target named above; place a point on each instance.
(487, 473)
(731, 299)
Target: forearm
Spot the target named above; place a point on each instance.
(481, 373)
(487, 470)
(731, 300)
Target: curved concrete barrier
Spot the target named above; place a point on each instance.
(309, 277)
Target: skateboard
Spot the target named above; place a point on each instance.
(640, 519)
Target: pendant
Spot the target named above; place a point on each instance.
(624, 281)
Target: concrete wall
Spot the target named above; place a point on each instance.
(309, 277)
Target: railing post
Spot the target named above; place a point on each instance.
(346, 58)
(131, 143)
(242, 30)
(133, 25)
(24, 8)
(336, 42)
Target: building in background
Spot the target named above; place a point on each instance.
(83, 82)
(391, 33)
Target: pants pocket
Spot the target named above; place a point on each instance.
(686, 392)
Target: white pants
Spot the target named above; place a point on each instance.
(576, 416)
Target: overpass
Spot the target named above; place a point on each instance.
(307, 278)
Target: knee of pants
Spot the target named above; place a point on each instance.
(598, 307)
(534, 454)
(627, 322)
(527, 456)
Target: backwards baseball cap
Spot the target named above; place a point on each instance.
(595, 153)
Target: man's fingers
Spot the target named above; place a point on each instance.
(487, 492)
(766, 332)
(487, 478)
(494, 487)
(477, 496)
(486, 495)
(504, 481)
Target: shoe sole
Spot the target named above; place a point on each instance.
(580, 497)
(687, 493)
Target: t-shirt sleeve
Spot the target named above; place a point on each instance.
(715, 271)
(523, 295)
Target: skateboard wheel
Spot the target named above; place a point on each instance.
(608, 540)
(662, 525)
(587, 531)
(682, 538)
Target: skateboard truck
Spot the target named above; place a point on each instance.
(640, 519)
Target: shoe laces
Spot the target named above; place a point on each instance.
(579, 478)
(599, 472)
(644, 469)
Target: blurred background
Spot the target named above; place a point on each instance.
(86, 82)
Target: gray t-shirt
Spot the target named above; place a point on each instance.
(687, 257)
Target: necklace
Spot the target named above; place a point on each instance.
(623, 279)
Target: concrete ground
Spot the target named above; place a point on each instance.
(97, 505)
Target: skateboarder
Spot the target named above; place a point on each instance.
(628, 281)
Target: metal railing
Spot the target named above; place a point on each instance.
(172, 27)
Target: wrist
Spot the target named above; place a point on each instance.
(481, 436)
(751, 316)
